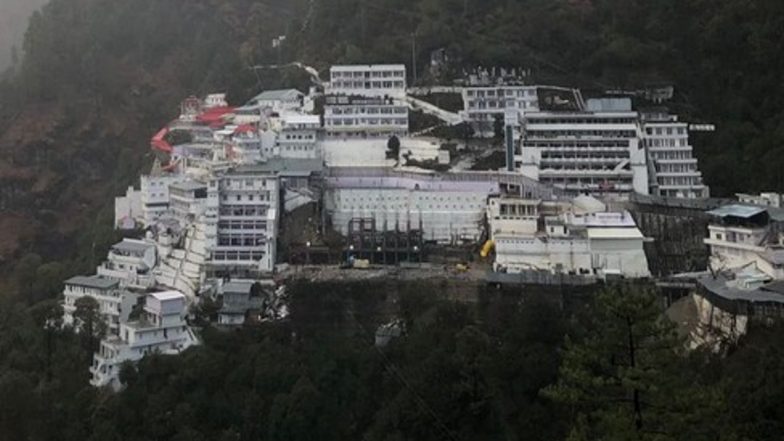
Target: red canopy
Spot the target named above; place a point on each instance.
(158, 141)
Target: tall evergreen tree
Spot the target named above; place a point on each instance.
(621, 379)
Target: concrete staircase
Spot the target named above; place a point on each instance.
(183, 268)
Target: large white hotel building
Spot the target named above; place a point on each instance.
(605, 147)
(583, 152)
(674, 167)
(378, 80)
(241, 221)
(364, 101)
(482, 105)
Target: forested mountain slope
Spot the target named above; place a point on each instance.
(100, 76)
(13, 23)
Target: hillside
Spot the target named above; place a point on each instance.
(377, 359)
(13, 23)
(99, 77)
(97, 80)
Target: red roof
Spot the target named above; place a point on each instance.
(158, 141)
(245, 128)
(214, 115)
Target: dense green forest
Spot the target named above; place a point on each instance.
(98, 77)
(500, 369)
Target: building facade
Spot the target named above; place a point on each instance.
(674, 168)
(482, 106)
(599, 146)
(448, 209)
(187, 200)
(114, 303)
(278, 101)
(161, 328)
(131, 262)
(128, 211)
(577, 239)
(743, 235)
(155, 195)
(241, 221)
(299, 137)
(773, 200)
(357, 117)
(374, 80)
(584, 152)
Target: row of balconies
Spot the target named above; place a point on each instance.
(337, 73)
(698, 185)
(676, 161)
(679, 174)
(333, 123)
(381, 111)
(576, 148)
(499, 105)
(611, 186)
(592, 160)
(550, 173)
(550, 136)
(174, 335)
(736, 245)
(687, 149)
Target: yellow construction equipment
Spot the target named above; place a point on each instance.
(487, 248)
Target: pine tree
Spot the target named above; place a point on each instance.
(89, 322)
(622, 379)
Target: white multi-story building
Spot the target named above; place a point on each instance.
(155, 195)
(128, 209)
(161, 328)
(604, 147)
(447, 209)
(278, 101)
(187, 200)
(363, 117)
(114, 304)
(299, 137)
(214, 100)
(241, 221)
(743, 235)
(146, 205)
(530, 235)
(239, 300)
(374, 80)
(584, 152)
(131, 262)
(675, 172)
(288, 136)
(482, 105)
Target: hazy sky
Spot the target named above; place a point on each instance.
(13, 22)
